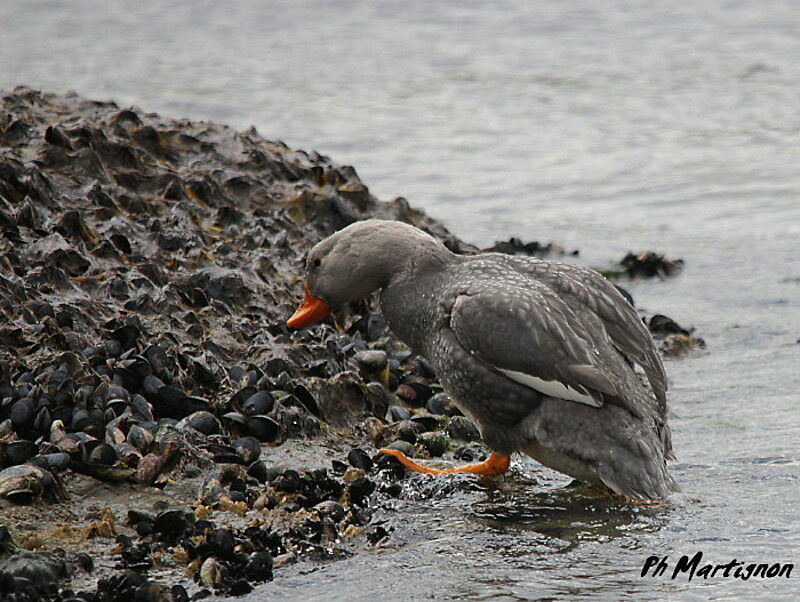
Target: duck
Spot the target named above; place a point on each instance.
(548, 359)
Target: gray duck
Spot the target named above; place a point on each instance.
(542, 356)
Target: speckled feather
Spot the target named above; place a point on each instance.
(477, 317)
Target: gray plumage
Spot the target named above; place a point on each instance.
(540, 355)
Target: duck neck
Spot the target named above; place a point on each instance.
(408, 301)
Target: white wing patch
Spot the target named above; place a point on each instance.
(553, 388)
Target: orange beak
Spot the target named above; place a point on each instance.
(311, 310)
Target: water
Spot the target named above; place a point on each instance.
(605, 127)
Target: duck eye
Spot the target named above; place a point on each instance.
(315, 262)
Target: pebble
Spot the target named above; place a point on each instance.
(462, 428)
(436, 443)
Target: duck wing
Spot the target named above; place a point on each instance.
(590, 294)
(524, 331)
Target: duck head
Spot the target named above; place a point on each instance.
(357, 260)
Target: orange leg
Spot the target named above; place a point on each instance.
(493, 466)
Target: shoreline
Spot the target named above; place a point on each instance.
(149, 265)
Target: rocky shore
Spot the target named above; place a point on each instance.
(163, 435)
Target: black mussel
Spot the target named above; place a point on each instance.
(55, 462)
(138, 366)
(128, 454)
(79, 419)
(117, 392)
(109, 415)
(234, 421)
(331, 509)
(140, 516)
(26, 483)
(377, 399)
(396, 413)
(141, 409)
(43, 420)
(289, 481)
(112, 348)
(71, 443)
(102, 453)
(307, 399)
(192, 403)
(168, 402)
(414, 392)
(116, 406)
(223, 454)
(463, 429)
(148, 469)
(201, 421)
(21, 415)
(258, 470)
(114, 434)
(173, 522)
(296, 421)
(441, 404)
(358, 458)
(263, 428)
(241, 396)
(140, 438)
(221, 542)
(426, 421)
(261, 402)
(372, 360)
(19, 452)
(360, 489)
(259, 566)
(151, 385)
(248, 448)
(126, 336)
(661, 324)
(160, 362)
(408, 430)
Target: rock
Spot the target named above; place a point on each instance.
(403, 446)
(462, 429)
(650, 264)
(436, 443)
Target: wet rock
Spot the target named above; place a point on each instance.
(650, 265)
(474, 452)
(38, 572)
(402, 446)
(672, 339)
(514, 246)
(436, 443)
(661, 324)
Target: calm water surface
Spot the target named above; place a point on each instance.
(606, 127)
